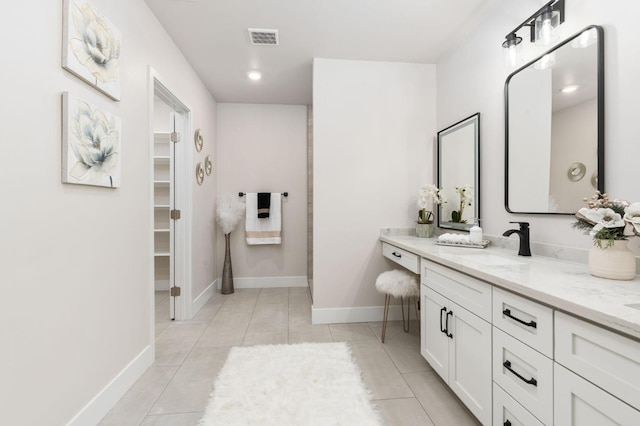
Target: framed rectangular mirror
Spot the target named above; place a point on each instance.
(554, 127)
(459, 174)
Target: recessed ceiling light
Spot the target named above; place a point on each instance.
(569, 89)
(254, 75)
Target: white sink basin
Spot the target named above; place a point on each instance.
(489, 260)
(634, 305)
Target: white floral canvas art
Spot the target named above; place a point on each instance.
(90, 144)
(91, 47)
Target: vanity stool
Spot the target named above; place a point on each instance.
(400, 284)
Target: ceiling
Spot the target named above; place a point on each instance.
(213, 36)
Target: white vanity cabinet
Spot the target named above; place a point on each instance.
(455, 340)
(500, 337)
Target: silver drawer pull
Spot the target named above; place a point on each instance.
(396, 254)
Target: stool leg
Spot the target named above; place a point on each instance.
(406, 325)
(387, 300)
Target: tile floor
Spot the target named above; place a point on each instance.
(189, 354)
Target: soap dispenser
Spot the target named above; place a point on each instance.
(475, 233)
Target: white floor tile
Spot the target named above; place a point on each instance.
(189, 355)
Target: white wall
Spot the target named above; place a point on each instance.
(374, 128)
(530, 160)
(76, 261)
(579, 144)
(263, 148)
(471, 78)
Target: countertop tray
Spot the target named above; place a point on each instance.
(482, 244)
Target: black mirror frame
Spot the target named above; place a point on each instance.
(600, 149)
(476, 187)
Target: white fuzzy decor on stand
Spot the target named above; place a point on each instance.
(229, 211)
(307, 384)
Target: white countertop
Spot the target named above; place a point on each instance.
(563, 285)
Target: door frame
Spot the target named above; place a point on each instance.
(183, 185)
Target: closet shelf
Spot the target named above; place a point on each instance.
(161, 206)
(161, 254)
(161, 230)
(161, 182)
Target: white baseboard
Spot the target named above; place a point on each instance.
(100, 405)
(203, 297)
(358, 314)
(267, 282)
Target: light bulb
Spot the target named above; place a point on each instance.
(545, 24)
(570, 88)
(254, 75)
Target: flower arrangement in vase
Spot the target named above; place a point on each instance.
(610, 223)
(466, 199)
(229, 211)
(428, 195)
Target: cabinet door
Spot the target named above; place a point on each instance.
(470, 362)
(580, 403)
(434, 344)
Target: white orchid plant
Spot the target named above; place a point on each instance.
(466, 199)
(428, 195)
(607, 220)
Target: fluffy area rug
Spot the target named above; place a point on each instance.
(290, 385)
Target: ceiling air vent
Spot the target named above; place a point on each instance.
(261, 36)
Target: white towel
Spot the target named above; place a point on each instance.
(267, 230)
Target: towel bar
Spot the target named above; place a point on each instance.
(242, 194)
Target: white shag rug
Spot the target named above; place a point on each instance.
(290, 385)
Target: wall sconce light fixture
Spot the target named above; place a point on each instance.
(541, 26)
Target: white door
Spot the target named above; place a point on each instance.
(178, 204)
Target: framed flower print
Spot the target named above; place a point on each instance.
(90, 144)
(91, 47)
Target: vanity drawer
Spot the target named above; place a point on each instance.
(470, 293)
(402, 257)
(607, 359)
(507, 411)
(524, 319)
(578, 402)
(525, 374)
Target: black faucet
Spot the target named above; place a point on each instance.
(523, 233)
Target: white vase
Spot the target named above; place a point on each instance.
(425, 230)
(616, 262)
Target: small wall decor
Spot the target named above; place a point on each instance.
(208, 165)
(90, 144)
(91, 47)
(198, 140)
(199, 174)
(576, 172)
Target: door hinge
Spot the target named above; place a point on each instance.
(175, 214)
(175, 137)
(175, 291)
